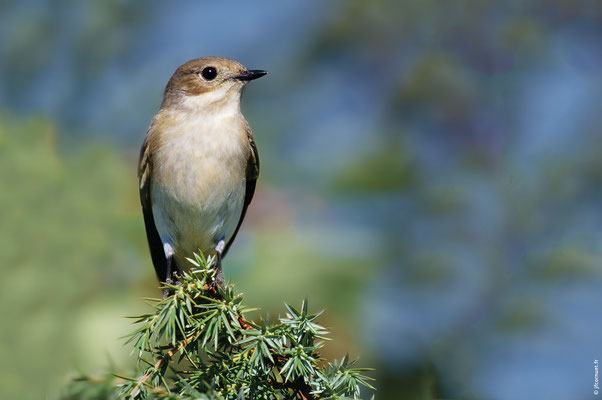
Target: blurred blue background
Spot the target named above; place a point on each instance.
(430, 176)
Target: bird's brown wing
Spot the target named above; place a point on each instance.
(154, 240)
(252, 172)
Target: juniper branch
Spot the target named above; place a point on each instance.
(224, 355)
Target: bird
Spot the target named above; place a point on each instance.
(198, 165)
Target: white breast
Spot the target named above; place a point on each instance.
(199, 183)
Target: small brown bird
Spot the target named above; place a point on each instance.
(198, 165)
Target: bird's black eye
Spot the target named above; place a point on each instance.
(209, 73)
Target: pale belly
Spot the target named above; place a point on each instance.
(190, 230)
(198, 225)
(198, 192)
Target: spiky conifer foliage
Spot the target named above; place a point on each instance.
(197, 344)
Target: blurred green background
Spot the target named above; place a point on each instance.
(430, 176)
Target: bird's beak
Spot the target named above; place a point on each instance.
(250, 74)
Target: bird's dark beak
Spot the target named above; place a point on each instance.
(250, 74)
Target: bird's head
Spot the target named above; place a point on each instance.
(208, 81)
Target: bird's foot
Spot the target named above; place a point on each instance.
(171, 278)
(218, 280)
(219, 277)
